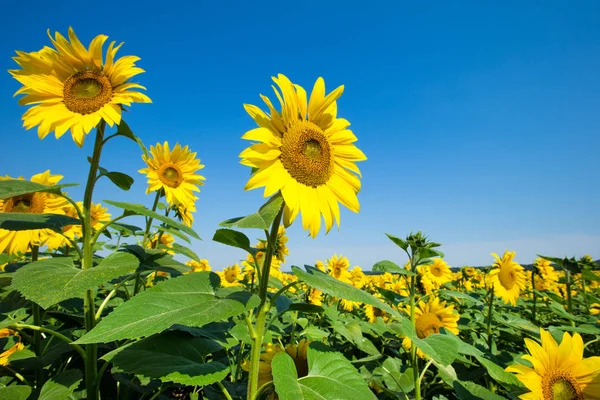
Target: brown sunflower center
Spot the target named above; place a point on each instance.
(170, 175)
(87, 92)
(306, 154)
(507, 277)
(378, 312)
(427, 324)
(560, 385)
(436, 271)
(32, 203)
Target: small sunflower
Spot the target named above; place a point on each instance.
(320, 266)
(507, 277)
(373, 312)
(185, 212)
(438, 273)
(305, 152)
(174, 172)
(74, 88)
(12, 344)
(357, 277)
(166, 241)
(349, 305)
(99, 215)
(229, 276)
(203, 265)
(18, 242)
(559, 372)
(430, 317)
(338, 268)
(71, 231)
(315, 297)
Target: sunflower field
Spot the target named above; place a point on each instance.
(100, 306)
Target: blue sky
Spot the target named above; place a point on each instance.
(479, 119)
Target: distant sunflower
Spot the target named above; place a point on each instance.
(507, 277)
(229, 276)
(305, 152)
(201, 266)
(12, 344)
(174, 172)
(70, 231)
(166, 241)
(74, 88)
(373, 312)
(438, 273)
(15, 242)
(185, 212)
(338, 268)
(430, 317)
(559, 371)
(315, 297)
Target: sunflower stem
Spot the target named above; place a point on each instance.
(413, 347)
(40, 329)
(490, 317)
(91, 366)
(569, 300)
(37, 336)
(534, 309)
(150, 219)
(263, 308)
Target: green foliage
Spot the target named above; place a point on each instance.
(259, 220)
(23, 221)
(18, 187)
(61, 386)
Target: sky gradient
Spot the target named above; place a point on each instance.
(480, 121)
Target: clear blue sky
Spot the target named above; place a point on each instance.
(480, 121)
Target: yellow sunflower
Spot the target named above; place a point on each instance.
(15, 242)
(437, 273)
(166, 240)
(305, 152)
(203, 265)
(14, 344)
(430, 317)
(71, 87)
(338, 268)
(185, 212)
(349, 305)
(320, 266)
(99, 215)
(229, 276)
(315, 297)
(507, 277)
(373, 312)
(71, 231)
(559, 371)
(174, 172)
(357, 277)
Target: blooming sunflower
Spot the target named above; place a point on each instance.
(70, 231)
(373, 312)
(229, 276)
(438, 273)
(74, 88)
(357, 277)
(15, 242)
(166, 241)
(338, 268)
(315, 297)
(203, 265)
(507, 277)
(559, 371)
(174, 172)
(305, 152)
(430, 317)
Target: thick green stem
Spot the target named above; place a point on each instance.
(224, 390)
(414, 357)
(259, 328)
(490, 317)
(91, 366)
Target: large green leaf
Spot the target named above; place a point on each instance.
(139, 209)
(48, 282)
(259, 220)
(441, 348)
(389, 266)
(171, 357)
(331, 286)
(394, 379)
(123, 181)
(472, 391)
(330, 377)
(61, 386)
(399, 242)
(17, 187)
(186, 300)
(16, 392)
(24, 221)
(189, 253)
(234, 239)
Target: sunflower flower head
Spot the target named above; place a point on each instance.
(305, 152)
(338, 268)
(558, 372)
(71, 87)
(201, 266)
(507, 277)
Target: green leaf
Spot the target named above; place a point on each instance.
(330, 376)
(171, 357)
(331, 286)
(18, 187)
(139, 209)
(124, 130)
(441, 348)
(179, 249)
(429, 253)
(460, 295)
(395, 380)
(234, 239)
(259, 220)
(48, 282)
(123, 181)
(589, 275)
(59, 387)
(17, 392)
(472, 391)
(559, 310)
(305, 308)
(185, 300)
(389, 266)
(176, 232)
(24, 221)
(126, 228)
(399, 242)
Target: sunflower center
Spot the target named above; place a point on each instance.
(32, 203)
(87, 92)
(560, 385)
(436, 271)
(427, 324)
(306, 154)
(507, 277)
(170, 175)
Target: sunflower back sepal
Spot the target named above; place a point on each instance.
(262, 219)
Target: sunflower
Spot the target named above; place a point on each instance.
(174, 172)
(13, 342)
(305, 152)
(166, 241)
(430, 317)
(315, 297)
(438, 273)
(70, 231)
(281, 249)
(507, 277)
(349, 305)
(358, 279)
(18, 242)
(468, 272)
(74, 88)
(203, 265)
(320, 266)
(99, 215)
(338, 268)
(229, 276)
(559, 371)
(373, 312)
